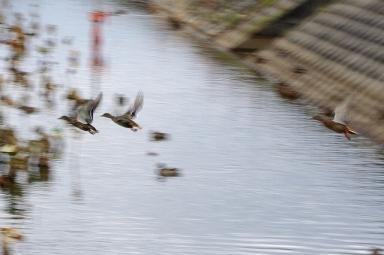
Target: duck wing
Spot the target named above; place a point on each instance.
(341, 112)
(136, 106)
(85, 111)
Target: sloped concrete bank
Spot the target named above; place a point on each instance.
(335, 56)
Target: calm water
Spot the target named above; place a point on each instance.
(259, 176)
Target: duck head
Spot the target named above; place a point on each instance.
(107, 115)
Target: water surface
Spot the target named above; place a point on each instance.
(258, 175)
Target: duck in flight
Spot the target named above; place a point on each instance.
(85, 127)
(82, 116)
(126, 120)
(339, 121)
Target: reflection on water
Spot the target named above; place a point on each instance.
(254, 174)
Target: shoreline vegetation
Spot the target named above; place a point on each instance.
(324, 52)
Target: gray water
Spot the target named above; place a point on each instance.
(259, 176)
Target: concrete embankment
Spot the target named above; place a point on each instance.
(331, 54)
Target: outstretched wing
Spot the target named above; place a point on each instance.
(136, 106)
(341, 112)
(85, 111)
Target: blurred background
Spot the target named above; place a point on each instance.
(227, 158)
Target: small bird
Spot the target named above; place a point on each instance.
(165, 171)
(126, 120)
(338, 124)
(158, 136)
(27, 109)
(85, 127)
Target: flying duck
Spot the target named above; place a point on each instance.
(82, 115)
(85, 127)
(126, 120)
(338, 123)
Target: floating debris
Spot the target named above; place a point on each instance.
(19, 161)
(9, 149)
(74, 96)
(10, 235)
(120, 12)
(43, 50)
(158, 136)
(121, 99)
(6, 181)
(35, 26)
(67, 40)
(376, 251)
(27, 109)
(287, 91)
(50, 43)
(73, 58)
(51, 29)
(152, 153)
(7, 100)
(7, 137)
(165, 171)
